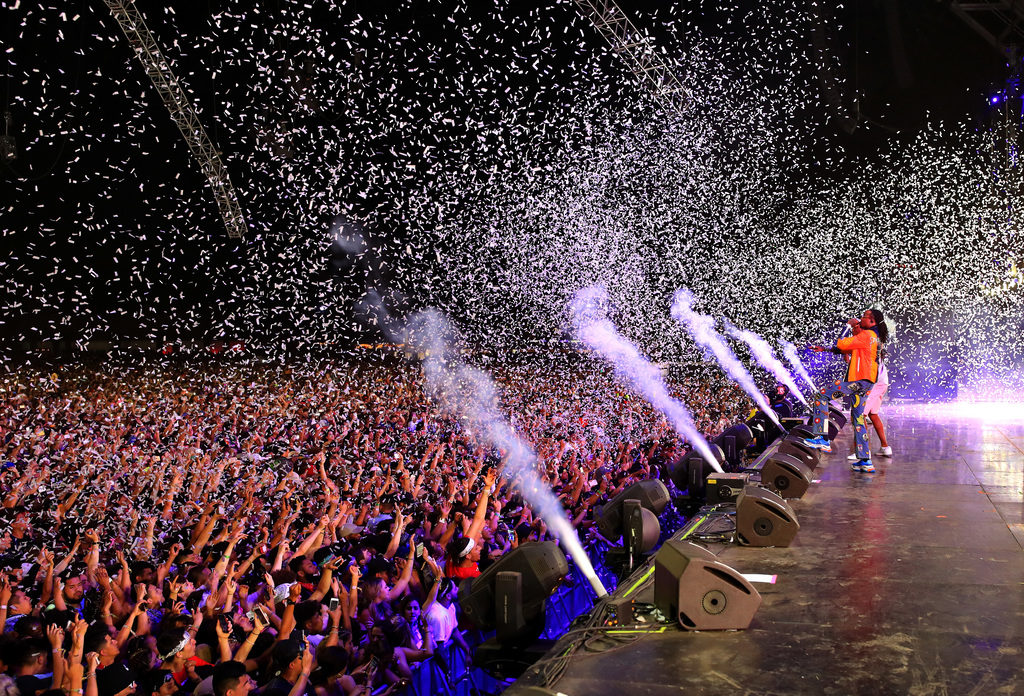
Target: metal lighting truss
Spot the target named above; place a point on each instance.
(1000, 22)
(640, 55)
(173, 97)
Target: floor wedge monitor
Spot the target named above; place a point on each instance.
(702, 593)
(764, 519)
(795, 447)
(786, 475)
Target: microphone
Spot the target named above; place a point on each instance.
(847, 330)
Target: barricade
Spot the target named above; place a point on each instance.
(451, 673)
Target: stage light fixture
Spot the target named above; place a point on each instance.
(510, 596)
(612, 520)
(765, 431)
(689, 472)
(733, 441)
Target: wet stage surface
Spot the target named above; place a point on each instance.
(907, 581)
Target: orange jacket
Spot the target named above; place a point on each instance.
(863, 350)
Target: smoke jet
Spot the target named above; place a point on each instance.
(789, 350)
(763, 353)
(702, 328)
(595, 330)
(470, 393)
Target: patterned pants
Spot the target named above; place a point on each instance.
(856, 395)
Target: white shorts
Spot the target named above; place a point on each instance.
(874, 401)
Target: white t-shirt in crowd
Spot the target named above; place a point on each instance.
(442, 621)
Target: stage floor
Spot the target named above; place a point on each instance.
(908, 581)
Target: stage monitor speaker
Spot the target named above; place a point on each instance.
(652, 494)
(836, 418)
(786, 475)
(764, 519)
(836, 421)
(795, 447)
(803, 432)
(690, 471)
(733, 441)
(725, 488)
(702, 593)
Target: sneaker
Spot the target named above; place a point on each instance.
(855, 465)
(853, 457)
(885, 452)
(866, 466)
(819, 442)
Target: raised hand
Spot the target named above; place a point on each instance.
(336, 614)
(78, 628)
(55, 634)
(257, 624)
(221, 631)
(5, 590)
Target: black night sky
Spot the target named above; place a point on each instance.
(110, 232)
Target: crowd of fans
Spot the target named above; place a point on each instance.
(227, 529)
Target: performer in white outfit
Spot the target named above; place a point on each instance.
(874, 404)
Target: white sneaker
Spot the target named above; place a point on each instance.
(885, 452)
(853, 457)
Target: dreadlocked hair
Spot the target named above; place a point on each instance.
(880, 327)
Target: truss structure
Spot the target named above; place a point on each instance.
(638, 52)
(999, 22)
(173, 96)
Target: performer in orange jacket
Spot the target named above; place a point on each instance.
(862, 347)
